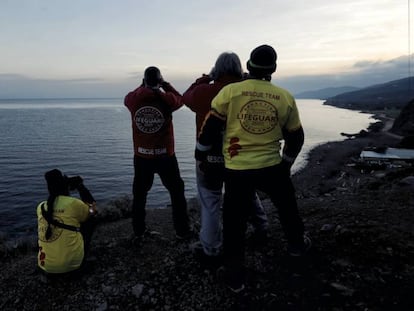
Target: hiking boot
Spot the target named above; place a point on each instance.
(140, 234)
(234, 281)
(298, 250)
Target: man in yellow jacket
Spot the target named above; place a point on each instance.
(257, 115)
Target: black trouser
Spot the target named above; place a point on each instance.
(240, 186)
(167, 169)
(87, 229)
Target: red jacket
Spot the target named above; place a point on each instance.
(151, 113)
(199, 95)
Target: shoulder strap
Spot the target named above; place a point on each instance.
(60, 224)
(65, 226)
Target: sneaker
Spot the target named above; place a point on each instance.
(212, 261)
(300, 250)
(233, 281)
(197, 248)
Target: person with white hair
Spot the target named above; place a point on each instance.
(256, 116)
(210, 172)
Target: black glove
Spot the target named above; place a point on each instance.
(204, 79)
(74, 182)
(165, 85)
(85, 194)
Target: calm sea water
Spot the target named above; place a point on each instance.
(92, 138)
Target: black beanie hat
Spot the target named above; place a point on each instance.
(152, 76)
(262, 61)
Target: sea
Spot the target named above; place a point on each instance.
(92, 138)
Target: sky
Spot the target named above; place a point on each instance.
(91, 48)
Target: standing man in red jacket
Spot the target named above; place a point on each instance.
(151, 106)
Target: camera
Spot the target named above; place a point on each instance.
(73, 182)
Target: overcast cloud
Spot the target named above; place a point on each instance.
(100, 48)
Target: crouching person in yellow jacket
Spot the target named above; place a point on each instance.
(65, 224)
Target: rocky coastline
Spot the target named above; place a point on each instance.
(361, 221)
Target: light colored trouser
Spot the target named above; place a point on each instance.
(210, 204)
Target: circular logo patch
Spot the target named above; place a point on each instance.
(258, 117)
(56, 231)
(149, 120)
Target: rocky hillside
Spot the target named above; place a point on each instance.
(391, 95)
(404, 123)
(326, 92)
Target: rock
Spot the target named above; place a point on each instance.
(404, 123)
(137, 290)
(102, 306)
(345, 291)
(328, 227)
(407, 181)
